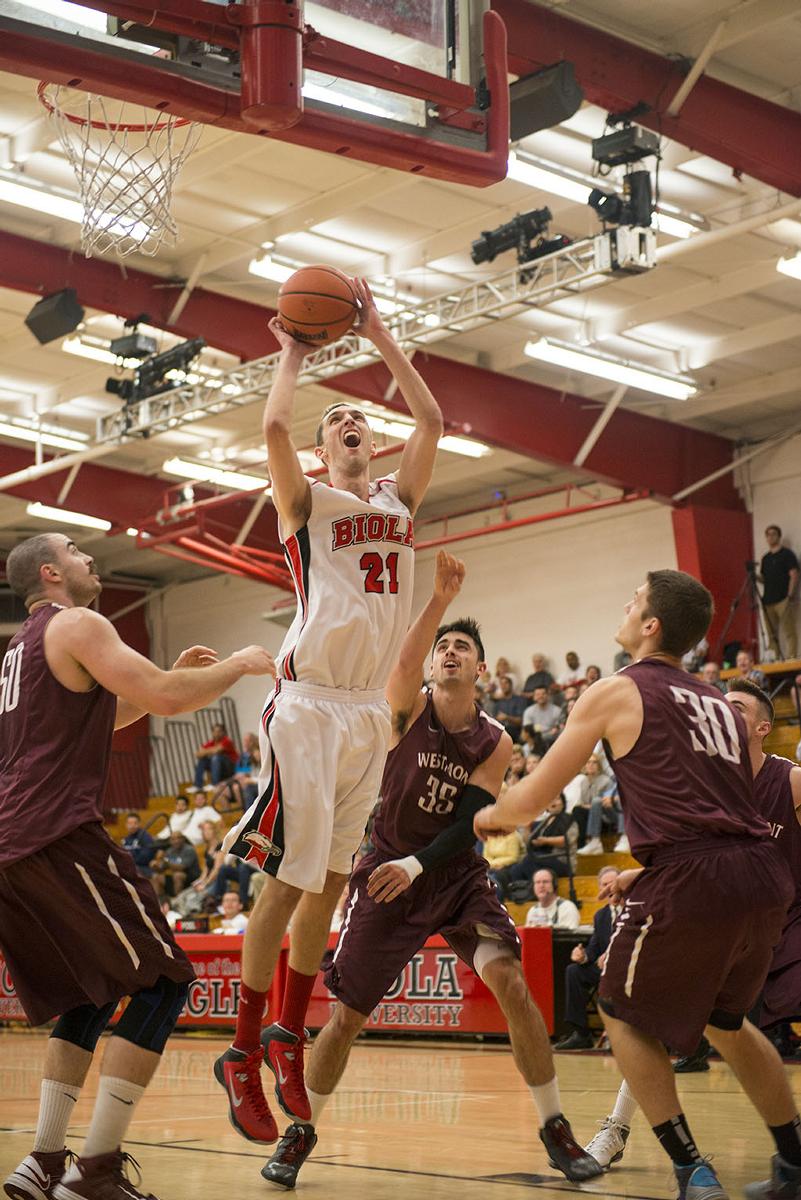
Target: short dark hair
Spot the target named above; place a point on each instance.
(776, 527)
(683, 606)
(753, 689)
(24, 564)
(132, 814)
(467, 626)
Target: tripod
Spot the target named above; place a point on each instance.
(749, 589)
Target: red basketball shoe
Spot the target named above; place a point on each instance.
(37, 1175)
(283, 1053)
(248, 1112)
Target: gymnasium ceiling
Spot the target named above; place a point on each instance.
(721, 312)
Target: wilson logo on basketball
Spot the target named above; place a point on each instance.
(372, 527)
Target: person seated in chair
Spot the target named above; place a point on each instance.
(583, 973)
(550, 909)
(547, 845)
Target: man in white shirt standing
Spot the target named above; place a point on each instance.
(551, 909)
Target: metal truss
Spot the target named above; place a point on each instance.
(586, 264)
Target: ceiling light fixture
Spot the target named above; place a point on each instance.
(204, 473)
(45, 512)
(790, 266)
(523, 170)
(452, 442)
(28, 433)
(266, 267)
(675, 387)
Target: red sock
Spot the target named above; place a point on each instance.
(248, 1019)
(297, 995)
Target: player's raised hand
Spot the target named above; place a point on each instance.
(287, 342)
(387, 882)
(368, 323)
(195, 656)
(257, 660)
(448, 576)
(487, 823)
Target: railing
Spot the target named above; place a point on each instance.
(161, 765)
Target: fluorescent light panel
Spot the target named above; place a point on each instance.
(45, 512)
(76, 345)
(615, 370)
(546, 181)
(313, 91)
(267, 268)
(203, 473)
(790, 266)
(403, 431)
(27, 433)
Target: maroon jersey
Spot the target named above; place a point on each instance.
(54, 746)
(688, 777)
(424, 778)
(773, 796)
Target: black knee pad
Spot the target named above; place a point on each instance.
(83, 1025)
(151, 1014)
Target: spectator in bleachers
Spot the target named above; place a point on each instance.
(503, 850)
(234, 870)
(747, 670)
(517, 766)
(532, 762)
(201, 811)
(218, 756)
(621, 660)
(540, 677)
(174, 867)
(233, 918)
(605, 813)
(242, 788)
(179, 819)
(139, 844)
(544, 719)
(584, 972)
(202, 894)
(509, 708)
(592, 674)
(572, 672)
(550, 909)
(547, 845)
(591, 784)
(170, 915)
(779, 573)
(710, 673)
(502, 669)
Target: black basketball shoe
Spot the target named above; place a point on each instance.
(291, 1153)
(565, 1153)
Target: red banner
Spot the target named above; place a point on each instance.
(437, 992)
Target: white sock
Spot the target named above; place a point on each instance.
(55, 1109)
(546, 1098)
(114, 1108)
(318, 1101)
(625, 1106)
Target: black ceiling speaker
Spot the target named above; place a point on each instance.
(55, 316)
(543, 100)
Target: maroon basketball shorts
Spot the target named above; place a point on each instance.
(79, 926)
(781, 998)
(376, 941)
(695, 940)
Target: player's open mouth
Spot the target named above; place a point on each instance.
(352, 438)
(450, 662)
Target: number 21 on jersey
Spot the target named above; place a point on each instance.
(373, 565)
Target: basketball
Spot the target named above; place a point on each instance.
(317, 304)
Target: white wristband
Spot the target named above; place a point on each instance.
(411, 865)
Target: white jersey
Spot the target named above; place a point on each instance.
(353, 567)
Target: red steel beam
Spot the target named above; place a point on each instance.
(735, 127)
(502, 410)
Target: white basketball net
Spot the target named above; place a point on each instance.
(126, 169)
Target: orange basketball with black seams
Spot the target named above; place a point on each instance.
(317, 304)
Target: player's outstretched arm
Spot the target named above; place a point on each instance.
(194, 656)
(391, 879)
(80, 639)
(403, 686)
(612, 711)
(290, 487)
(420, 452)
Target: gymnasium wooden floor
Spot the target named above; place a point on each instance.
(442, 1121)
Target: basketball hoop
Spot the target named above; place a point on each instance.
(126, 170)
